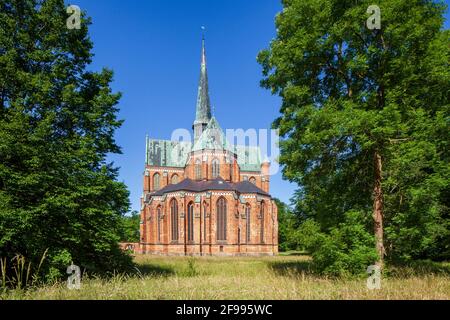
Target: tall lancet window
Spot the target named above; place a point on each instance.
(215, 169)
(262, 222)
(156, 181)
(222, 219)
(190, 222)
(204, 220)
(158, 217)
(248, 222)
(198, 169)
(174, 219)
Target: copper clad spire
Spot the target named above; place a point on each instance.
(203, 109)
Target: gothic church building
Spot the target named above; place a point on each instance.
(206, 197)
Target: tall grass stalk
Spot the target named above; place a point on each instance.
(22, 275)
(3, 272)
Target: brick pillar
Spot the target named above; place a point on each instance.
(146, 180)
(149, 224)
(166, 226)
(204, 170)
(265, 178)
(237, 173)
(164, 179)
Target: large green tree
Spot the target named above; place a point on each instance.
(57, 122)
(364, 117)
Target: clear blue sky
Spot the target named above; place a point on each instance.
(153, 46)
(154, 49)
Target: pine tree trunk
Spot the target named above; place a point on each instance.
(378, 209)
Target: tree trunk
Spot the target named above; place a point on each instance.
(378, 209)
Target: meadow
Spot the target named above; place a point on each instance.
(281, 277)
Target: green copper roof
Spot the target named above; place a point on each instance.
(163, 153)
(249, 158)
(212, 138)
(203, 110)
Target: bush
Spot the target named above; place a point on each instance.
(347, 250)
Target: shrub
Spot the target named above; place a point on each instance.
(347, 250)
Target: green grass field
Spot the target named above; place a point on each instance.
(281, 277)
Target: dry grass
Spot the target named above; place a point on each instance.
(282, 277)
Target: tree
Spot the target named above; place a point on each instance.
(57, 123)
(286, 227)
(130, 227)
(363, 116)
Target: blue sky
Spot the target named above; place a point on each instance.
(153, 46)
(154, 49)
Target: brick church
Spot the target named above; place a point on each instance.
(206, 197)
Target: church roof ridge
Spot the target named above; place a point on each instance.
(189, 185)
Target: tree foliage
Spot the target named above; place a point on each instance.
(130, 227)
(287, 224)
(350, 96)
(57, 122)
(346, 250)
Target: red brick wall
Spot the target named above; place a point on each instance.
(236, 220)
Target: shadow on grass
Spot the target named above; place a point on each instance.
(155, 270)
(419, 268)
(293, 253)
(291, 268)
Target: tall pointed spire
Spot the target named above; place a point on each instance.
(203, 110)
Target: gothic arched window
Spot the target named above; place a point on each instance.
(204, 221)
(198, 169)
(156, 181)
(190, 222)
(253, 180)
(215, 168)
(174, 219)
(248, 222)
(262, 222)
(158, 217)
(174, 179)
(222, 219)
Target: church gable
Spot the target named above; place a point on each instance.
(212, 138)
